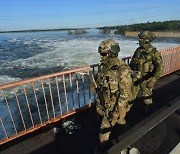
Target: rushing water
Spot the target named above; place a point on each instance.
(26, 55)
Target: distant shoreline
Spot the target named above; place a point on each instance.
(38, 30)
(158, 34)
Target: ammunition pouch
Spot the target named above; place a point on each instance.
(113, 87)
(147, 67)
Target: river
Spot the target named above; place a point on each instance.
(26, 55)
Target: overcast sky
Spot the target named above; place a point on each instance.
(47, 14)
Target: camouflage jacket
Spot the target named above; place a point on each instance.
(115, 79)
(146, 61)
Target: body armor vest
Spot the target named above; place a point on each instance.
(142, 62)
(108, 79)
(108, 82)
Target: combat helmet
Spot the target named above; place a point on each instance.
(108, 47)
(146, 35)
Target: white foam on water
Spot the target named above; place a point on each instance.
(7, 79)
(13, 40)
(4, 80)
(73, 52)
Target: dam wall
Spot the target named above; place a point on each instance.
(158, 34)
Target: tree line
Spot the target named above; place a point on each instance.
(173, 25)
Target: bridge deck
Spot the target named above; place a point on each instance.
(161, 139)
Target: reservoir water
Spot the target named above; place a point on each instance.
(26, 55)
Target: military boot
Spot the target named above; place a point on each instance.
(147, 106)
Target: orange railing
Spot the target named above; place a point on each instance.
(31, 104)
(171, 60)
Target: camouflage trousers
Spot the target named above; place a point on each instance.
(146, 92)
(108, 121)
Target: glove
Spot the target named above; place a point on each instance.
(150, 84)
(99, 108)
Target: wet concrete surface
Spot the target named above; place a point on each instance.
(160, 139)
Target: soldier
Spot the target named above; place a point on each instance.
(113, 85)
(147, 67)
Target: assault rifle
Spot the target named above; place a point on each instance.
(98, 92)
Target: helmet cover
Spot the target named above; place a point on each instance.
(109, 46)
(147, 36)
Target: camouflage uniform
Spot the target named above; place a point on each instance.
(114, 85)
(147, 67)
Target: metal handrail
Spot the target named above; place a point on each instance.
(171, 60)
(34, 103)
(23, 100)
